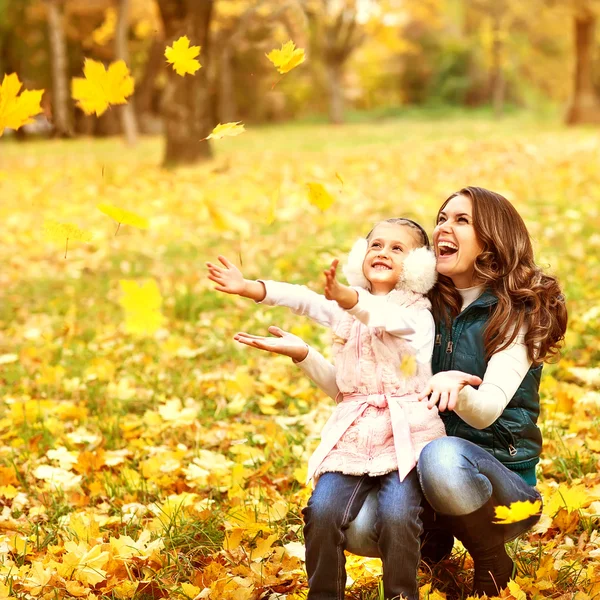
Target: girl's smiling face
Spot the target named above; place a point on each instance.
(389, 243)
(455, 242)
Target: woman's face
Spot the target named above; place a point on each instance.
(455, 243)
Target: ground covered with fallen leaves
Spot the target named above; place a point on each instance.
(143, 454)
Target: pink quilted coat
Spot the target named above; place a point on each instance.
(379, 425)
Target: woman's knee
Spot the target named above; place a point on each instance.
(450, 479)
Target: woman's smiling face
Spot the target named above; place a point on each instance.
(455, 242)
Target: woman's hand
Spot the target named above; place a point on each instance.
(444, 388)
(345, 296)
(231, 281)
(284, 343)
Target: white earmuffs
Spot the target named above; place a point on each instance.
(418, 275)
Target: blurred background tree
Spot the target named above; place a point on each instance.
(362, 55)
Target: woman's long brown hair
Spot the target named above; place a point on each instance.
(526, 295)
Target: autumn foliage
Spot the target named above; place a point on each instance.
(144, 454)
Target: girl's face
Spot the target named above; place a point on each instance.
(455, 242)
(389, 243)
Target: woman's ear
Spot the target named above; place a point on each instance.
(419, 271)
(353, 269)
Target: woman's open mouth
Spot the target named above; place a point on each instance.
(446, 249)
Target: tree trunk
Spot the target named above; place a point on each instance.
(186, 103)
(585, 105)
(126, 112)
(497, 80)
(146, 90)
(60, 86)
(227, 104)
(335, 72)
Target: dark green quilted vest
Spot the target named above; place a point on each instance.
(514, 438)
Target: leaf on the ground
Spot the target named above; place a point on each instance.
(182, 56)
(101, 87)
(17, 110)
(287, 57)
(516, 591)
(122, 216)
(226, 130)
(572, 498)
(517, 511)
(319, 196)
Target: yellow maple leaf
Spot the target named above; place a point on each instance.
(516, 591)
(183, 56)
(517, 511)
(191, 591)
(84, 563)
(15, 110)
(319, 196)
(38, 578)
(63, 232)
(287, 57)
(102, 87)
(122, 216)
(572, 498)
(226, 130)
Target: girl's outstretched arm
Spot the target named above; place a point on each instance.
(229, 279)
(312, 362)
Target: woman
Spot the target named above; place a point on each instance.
(498, 317)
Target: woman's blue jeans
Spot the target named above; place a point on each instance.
(457, 478)
(335, 502)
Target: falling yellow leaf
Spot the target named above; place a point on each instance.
(272, 208)
(122, 216)
(339, 178)
(102, 87)
(183, 56)
(319, 196)
(65, 232)
(517, 511)
(103, 34)
(408, 366)
(15, 110)
(226, 130)
(287, 57)
(142, 303)
(224, 221)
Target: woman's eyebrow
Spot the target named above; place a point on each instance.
(462, 214)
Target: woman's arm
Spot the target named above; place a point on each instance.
(481, 407)
(312, 362)
(503, 376)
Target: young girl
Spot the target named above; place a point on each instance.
(383, 340)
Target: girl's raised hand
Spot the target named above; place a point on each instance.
(284, 343)
(444, 388)
(229, 279)
(345, 296)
